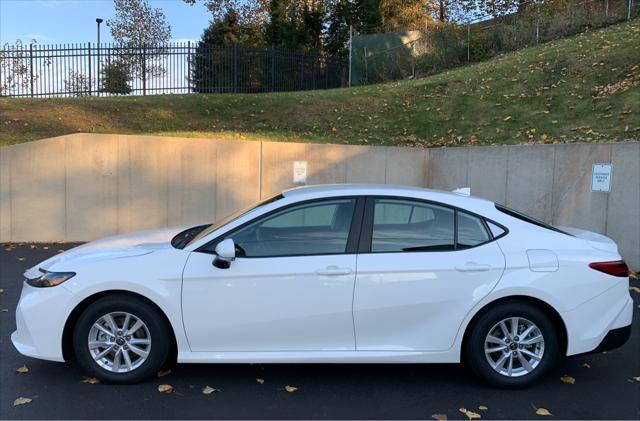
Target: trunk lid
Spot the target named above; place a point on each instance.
(595, 240)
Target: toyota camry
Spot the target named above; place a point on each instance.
(334, 274)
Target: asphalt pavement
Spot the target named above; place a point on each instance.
(603, 387)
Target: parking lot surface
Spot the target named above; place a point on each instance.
(603, 388)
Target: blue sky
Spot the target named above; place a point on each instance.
(74, 21)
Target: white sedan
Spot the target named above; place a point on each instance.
(333, 274)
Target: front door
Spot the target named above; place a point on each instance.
(420, 274)
(289, 289)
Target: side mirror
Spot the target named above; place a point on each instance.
(225, 254)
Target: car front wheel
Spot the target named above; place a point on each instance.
(121, 339)
(512, 345)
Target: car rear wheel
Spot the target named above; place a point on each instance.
(121, 339)
(511, 345)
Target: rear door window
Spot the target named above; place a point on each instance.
(404, 226)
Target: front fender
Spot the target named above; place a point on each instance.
(156, 276)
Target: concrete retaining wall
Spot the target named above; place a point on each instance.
(85, 186)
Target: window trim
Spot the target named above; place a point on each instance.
(352, 237)
(528, 219)
(366, 235)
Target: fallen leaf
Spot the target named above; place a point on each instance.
(1, 291)
(543, 412)
(23, 369)
(483, 408)
(163, 373)
(439, 417)
(90, 380)
(290, 389)
(635, 379)
(260, 381)
(507, 118)
(166, 388)
(470, 414)
(22, 401)
(209, 390)
(586, 365)
(568, 379)
(21, 258)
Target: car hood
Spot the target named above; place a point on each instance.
(115, 247)
(595, 240)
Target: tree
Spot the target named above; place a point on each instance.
(116, 77)
(138, 25)
(405, 15)
(15, 68)
(296, 24)
(212, 69)
(255, 11)
(494, 8)
(77, 84)
(341, 15)
(363, 15)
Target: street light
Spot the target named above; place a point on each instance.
(99, 21)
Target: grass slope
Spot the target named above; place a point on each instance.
(583, 88)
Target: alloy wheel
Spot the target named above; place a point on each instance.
(119, 342)
(514, 346)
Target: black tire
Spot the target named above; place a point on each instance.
(157, 326)
(474, 345)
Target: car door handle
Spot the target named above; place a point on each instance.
(473, 267)
(333, 271)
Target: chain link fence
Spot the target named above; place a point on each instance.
(387, 57)
(107, 69)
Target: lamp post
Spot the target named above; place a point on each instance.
(98, 22)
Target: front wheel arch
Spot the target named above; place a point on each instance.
(551, 312)
(70, 324)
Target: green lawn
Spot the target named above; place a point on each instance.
(583, 88)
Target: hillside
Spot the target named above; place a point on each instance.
(583, 88)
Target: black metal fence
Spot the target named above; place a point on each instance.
(91, 70)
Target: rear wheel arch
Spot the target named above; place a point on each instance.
(70, 324)
(551, 312)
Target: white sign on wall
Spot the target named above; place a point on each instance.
(601, 177)
(300, 172)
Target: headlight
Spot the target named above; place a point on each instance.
(50, 279)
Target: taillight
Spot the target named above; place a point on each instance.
(614, 268)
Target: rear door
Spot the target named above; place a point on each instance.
(422, 266)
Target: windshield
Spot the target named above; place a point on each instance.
(204, 230)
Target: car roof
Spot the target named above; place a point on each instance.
(325, 190)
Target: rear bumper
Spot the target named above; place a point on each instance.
(601, 321)
(613, 340)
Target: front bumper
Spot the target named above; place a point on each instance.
(40, 318)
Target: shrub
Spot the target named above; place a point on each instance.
(116, 76)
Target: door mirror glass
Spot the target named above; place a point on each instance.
(225, 252)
